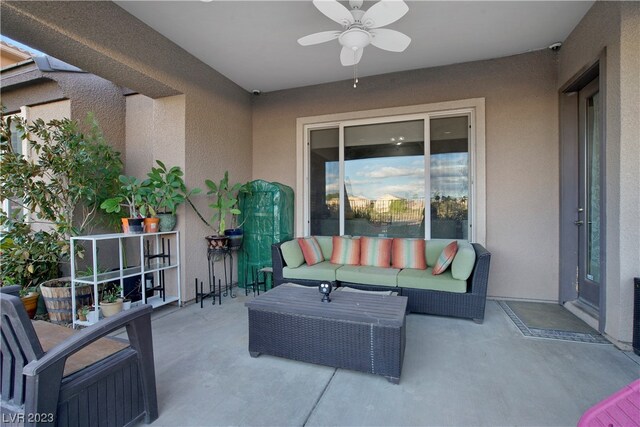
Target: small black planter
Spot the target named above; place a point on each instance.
(235, 238)
(136, 225)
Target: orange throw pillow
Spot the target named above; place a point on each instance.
(445, 258)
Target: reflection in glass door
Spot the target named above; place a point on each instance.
(390, 179)
(384, 179)
(324, 182)
(449, 171)
(589, 212)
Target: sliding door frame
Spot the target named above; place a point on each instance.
(474, 109)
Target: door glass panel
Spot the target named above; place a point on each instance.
(593, 189)
(324, 188)
(450, 178)
(384, 179)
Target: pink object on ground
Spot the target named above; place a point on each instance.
(621, 409)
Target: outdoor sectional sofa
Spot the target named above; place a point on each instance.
(460, 291)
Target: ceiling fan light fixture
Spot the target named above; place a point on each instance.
(355, 38)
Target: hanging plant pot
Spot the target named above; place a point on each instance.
(217, 242)
(235, 238)
(167, 221)
(136, 225)
(151, 225)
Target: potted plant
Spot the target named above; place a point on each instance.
(29, 298)
(83, 312)
(93, 315)
(111, 303)
(168, 192)
(235, 233)
(62, 183)
(226, 204)
(133, 196)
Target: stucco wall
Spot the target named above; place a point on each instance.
(616, 27)
(521, 150)
(103, 39)
(86, 92)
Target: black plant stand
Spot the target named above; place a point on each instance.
(214, 255)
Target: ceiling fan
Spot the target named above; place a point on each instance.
(361, 28)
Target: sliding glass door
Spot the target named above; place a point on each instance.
(384, 178)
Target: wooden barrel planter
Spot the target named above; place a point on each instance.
(57, 298)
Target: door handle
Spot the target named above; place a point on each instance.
(578, 223)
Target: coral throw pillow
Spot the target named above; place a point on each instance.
(408, 253)
(311, 250)
(345, 251)
(445, 258)
(375, 251)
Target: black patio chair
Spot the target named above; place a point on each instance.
(118, 390)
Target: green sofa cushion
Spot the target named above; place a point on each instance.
(368, 275)
(322, 271)
(292, 253)
(463, 263)
(423, 279)
(326, 244)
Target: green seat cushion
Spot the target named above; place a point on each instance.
(321, 271)
(326, 244)
(423, 279)
(463, 263)
(292, 254)
(367, 275)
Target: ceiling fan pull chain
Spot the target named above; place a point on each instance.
(355, 71)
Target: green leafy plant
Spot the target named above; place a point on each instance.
(168, 188)
(84, 310)
(54, 192)
(111, 294)
(134, 195)
(226, 200)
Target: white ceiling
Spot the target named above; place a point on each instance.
(254, 43)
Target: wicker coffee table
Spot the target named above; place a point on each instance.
(355, 331)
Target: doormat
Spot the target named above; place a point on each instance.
(551, 321)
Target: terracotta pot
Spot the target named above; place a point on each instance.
(30, 303)
(111, 308)
(151, 225)
(125, 225)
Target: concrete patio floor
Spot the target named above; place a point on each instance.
(455, 373)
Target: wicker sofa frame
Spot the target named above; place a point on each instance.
(469, 305)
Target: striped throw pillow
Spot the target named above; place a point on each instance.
(445, 258)
(311, 250)
(346, 251)
(375, 251)
(408, 253)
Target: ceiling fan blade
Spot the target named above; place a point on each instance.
(390, 40)
(384, 13)
(350, 57)
(334, 11)
(317, 38)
